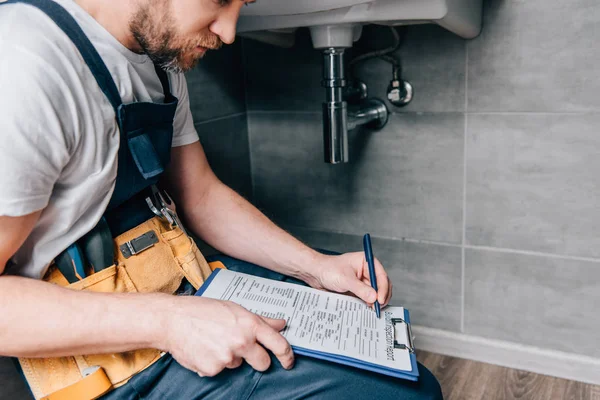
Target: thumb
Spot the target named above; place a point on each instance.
(363, 291)
(277, 324)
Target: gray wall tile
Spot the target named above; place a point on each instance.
(426, 278)
(536, 55)
(432, 59)
(532, 182)
(544, 302)
(403, 181)
(281, 78)
(216, 85)
(225, 142)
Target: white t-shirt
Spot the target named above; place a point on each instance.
(59, 137)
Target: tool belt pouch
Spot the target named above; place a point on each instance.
(161, 267)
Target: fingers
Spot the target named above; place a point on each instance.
(235, 363)
(388, 296)
(268, 335)
(276, 324)
(362, 290)
(257, 357)
(383, 283)
(210, 366)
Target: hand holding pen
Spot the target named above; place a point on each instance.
(372, 275)
(350, 273)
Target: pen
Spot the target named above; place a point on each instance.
(371, 262)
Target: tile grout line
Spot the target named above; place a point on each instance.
(250, 159)
(291, 111)
(540, 113)
(416, 112)
(289, 227)
(247, 117)
(394, 238)
(464, 216)
(245, 74)
(208, 121)
(533, 253)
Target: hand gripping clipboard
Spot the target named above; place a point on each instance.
(401, 343)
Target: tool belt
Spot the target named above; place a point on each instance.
(159, 263)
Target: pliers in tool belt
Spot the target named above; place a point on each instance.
(162, 205)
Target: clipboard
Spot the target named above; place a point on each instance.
(398, 323)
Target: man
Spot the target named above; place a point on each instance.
(62, 153)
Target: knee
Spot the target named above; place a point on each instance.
(430, 387)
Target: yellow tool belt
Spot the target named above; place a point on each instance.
(158, 268)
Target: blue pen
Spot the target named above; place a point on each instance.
(371, 262)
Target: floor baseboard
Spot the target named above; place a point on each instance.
(541, 361)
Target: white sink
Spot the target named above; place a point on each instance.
(290, 7)
(463, 17)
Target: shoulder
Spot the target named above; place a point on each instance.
(178, 84)
(42, 73)
(34, 49)
(26, 28)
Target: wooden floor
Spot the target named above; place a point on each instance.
(470, 380)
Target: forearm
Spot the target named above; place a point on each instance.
(230, 224)
(43, 320)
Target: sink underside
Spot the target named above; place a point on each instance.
(462, 17)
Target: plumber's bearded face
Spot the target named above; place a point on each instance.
(154, 28)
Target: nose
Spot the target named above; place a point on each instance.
(224, 25)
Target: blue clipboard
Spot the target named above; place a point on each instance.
(412, 375)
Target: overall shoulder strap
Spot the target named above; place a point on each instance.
(164, 80)
(69, 26)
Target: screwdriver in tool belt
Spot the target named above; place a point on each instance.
(97, 245)
(70, 263)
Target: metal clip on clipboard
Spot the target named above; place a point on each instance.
(410, 346)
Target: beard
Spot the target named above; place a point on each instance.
(153, 27)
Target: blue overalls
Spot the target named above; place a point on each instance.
(144, 153)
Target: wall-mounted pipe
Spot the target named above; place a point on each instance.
(337, 120)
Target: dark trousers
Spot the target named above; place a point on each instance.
(310, 378)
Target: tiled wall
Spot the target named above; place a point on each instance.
(482, 194)
(217, 100)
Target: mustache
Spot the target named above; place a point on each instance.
(209, 41)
